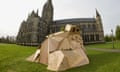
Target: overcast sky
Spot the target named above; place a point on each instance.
(13, 12)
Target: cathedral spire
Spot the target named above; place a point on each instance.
(33, 13)
(49, 1)
(97, 13)
(47, 13)
(37, 12)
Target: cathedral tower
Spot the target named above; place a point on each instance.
(47, 14)
(46, 20)
(99, 26)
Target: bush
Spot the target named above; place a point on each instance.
(108, 38)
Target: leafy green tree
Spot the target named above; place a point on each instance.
(118, 32)
(8, 39)
(108, 38)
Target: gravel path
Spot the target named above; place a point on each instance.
(105, 50)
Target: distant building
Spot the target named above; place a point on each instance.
(35, 28)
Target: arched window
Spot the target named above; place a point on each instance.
(97, 37)
(89, 26)
(91, 37)
(93, 26)
(86, 38)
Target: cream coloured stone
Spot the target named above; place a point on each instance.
(63, 50)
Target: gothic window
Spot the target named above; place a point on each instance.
(89, 26)
(97, 37)
(93, 27)
(86, 38)
(84, 26)
(91, 37)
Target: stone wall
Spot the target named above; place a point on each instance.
(34, 30)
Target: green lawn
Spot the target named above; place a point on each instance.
(105, 45)
(12, 59)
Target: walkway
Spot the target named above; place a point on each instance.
(105, 50)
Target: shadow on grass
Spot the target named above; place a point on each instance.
(96, 61)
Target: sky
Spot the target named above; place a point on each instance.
(13, 12)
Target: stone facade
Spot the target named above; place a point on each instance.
(35, 28)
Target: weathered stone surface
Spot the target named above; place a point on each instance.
(35, 28)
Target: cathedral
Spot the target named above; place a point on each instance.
(34, 30)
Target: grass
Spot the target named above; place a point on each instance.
(12, 59)
(105, 45)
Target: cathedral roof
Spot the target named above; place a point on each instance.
(74, 20)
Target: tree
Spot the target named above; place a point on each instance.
(107, 38)
(118, 32)
(8, 39)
